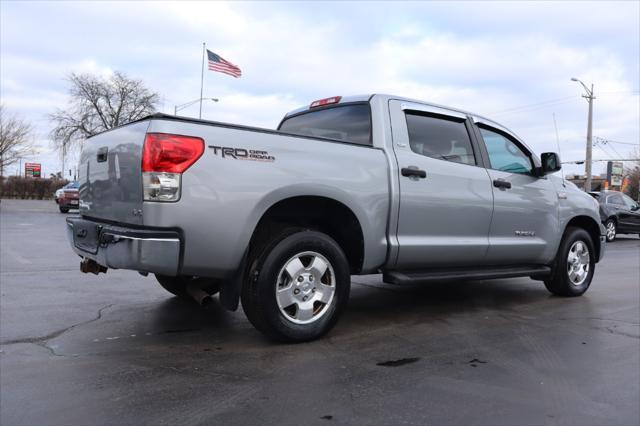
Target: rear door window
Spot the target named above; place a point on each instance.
(439, 137)
(347, 123)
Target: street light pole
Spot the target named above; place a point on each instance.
(587, 166)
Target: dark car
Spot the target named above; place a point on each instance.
(618, 212)
(68, 197)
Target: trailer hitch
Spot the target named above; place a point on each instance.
(89, 265)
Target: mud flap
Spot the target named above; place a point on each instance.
(230, 289)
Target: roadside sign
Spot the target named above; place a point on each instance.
(32, 170)
(615, 171)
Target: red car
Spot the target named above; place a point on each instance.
(68, 197)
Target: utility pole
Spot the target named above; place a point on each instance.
(587, 165)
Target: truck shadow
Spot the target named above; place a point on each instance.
(381, 302)
(371, 305)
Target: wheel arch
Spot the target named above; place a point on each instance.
(318, 212)
(591, 226)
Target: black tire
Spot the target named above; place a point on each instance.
(560, 283)
(611, 224)
(178, 285)
(63, 209)
(259, 300)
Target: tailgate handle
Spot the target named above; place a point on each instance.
(102, 154)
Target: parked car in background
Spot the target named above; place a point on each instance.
(68, 197)
(59, 191)
(618, 212)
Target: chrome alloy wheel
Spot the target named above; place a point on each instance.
(611, 230)
(578, 263)
(305, 287)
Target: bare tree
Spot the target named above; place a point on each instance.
(99, 104)
(15, 142)
(633, 174)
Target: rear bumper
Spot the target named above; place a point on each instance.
(118, 247)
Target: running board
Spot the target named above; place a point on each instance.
(434, 275)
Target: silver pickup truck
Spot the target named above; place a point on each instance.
(280, 219)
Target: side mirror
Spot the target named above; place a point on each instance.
(550, 163)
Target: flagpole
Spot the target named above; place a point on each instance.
(201, 79)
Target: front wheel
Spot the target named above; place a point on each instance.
(612, 230)
(63, 209)
(574, 265)
(298, 287)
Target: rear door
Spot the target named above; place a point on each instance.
(446, 198)
(525, 224)
(111, 174)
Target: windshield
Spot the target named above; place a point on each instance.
(348, 123)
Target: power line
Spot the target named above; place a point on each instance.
(615, 150)
(602, 147)
(549, 102)
(625, 92)
(537, 104)
(606, 153)
(622, 143)
(606, 142)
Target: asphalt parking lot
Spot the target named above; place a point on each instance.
(117, 349)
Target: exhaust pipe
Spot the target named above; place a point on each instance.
(89, 265)
(200, 296)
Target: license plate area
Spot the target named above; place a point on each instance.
(86, 236)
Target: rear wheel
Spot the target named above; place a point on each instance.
(574, 265)
(63, 209)
(612, 229)
(298, 287)
(178, 285)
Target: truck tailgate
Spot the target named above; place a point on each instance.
(111, 175)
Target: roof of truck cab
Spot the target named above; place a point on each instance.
(385, 97)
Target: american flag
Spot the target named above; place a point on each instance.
(216, 63)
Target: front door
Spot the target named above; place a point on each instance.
(629, 215)
(525, 207)
(446, 198)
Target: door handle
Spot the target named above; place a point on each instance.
(101, 157)
(413, 172)
(500, 183)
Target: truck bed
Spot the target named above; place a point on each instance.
(242, 173)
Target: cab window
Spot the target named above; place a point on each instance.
(348, 123)
(439, 137)
(505, 154)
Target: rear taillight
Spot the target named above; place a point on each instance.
(170, 153)
(164, 158)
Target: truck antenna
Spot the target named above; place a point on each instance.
(555, 125)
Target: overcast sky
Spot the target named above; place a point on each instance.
(511, 61)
